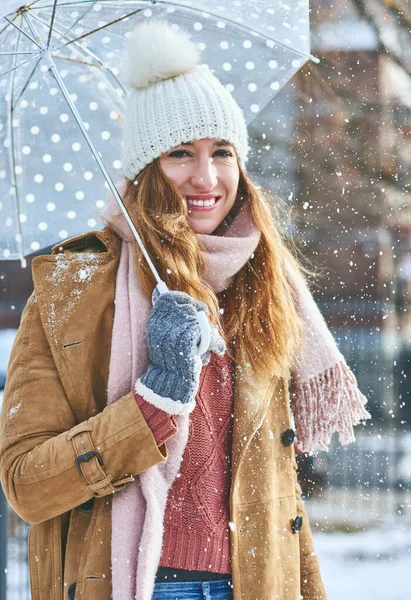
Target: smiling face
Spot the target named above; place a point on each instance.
(206, 173)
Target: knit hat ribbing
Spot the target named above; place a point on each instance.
(172, 99)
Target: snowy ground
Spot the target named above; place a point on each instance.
(371, 565)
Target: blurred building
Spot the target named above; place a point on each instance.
(352, 139)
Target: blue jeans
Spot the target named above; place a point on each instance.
(193, 590)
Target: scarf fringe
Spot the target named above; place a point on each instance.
(327, 403)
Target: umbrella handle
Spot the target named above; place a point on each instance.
(205, 339)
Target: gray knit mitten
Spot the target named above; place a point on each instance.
(173, 332)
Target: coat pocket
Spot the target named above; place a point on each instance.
(96, 588)
(268, 550)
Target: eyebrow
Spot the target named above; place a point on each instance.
(223, 143)
(217, 144)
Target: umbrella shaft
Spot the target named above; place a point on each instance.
(55, 73)
(103, 169)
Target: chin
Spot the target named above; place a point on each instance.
(205, 228)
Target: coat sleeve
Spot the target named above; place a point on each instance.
(312, 587)
(49, 463)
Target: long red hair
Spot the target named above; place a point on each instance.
(261, 324)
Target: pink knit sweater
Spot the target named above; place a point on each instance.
(196, 533)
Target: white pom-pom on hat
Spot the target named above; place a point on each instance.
(155, 51)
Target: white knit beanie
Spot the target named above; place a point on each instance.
(173, 99)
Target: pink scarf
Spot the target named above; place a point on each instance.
(324, 392)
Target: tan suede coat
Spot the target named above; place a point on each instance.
(54, 411)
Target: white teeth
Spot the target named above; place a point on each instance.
(210, 202)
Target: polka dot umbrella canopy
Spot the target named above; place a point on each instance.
(62, 99)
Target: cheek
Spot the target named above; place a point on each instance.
(231, 179)
(176, 173)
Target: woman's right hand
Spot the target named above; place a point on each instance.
(173, 333)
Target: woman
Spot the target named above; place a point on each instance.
(146, 470)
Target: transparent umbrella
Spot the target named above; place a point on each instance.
(61, 96)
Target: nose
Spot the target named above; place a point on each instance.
(205, 175)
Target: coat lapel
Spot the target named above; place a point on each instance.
(251, 401)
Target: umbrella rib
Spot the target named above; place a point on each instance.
(99, 66)
(79, 46)
(98, 29)
(75, 4)
(51, 23)
(63, 35)
(23, 32)
(18, 53)
(77, 60)
(85, 51)
(71, 4)
(12, 157)
(8, 25)
(26, 84)
(15, 67)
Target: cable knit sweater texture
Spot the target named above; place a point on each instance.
(196, 532)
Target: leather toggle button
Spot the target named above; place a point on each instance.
(288, 437)
(72, 591)
(297, 524)
(88, 505)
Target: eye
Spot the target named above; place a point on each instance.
(178, 154)
(223, 152)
